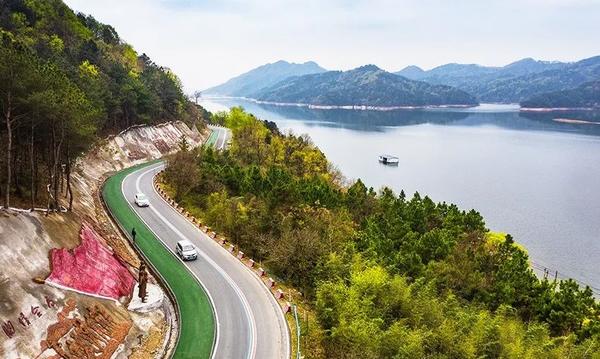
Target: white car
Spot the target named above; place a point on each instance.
(141, 200)
(186, 250)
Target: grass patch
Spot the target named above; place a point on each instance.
(197, 325)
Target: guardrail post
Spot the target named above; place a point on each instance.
(298, 356)
(287, 307)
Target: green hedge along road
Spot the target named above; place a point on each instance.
(197, 324)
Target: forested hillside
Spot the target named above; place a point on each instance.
(65, 81)
(364, 86)
(584, 96)
(387, 276)
(512, 83)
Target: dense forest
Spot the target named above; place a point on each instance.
(584, 96)
(65, 81)
(364, 86)
(387, 275)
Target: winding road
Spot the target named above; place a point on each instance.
(219, 138)
(249, 321)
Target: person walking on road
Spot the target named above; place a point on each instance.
(133, 233)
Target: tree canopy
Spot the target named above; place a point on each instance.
(389, 276)
(66, 80)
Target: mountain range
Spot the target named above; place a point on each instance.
(364, 86)
(263, 76)
(512, 83)
(457, 72)
(526, 81)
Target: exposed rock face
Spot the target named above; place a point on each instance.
(24, 247)
(131, 147)
(38, 312)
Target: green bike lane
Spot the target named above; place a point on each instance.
(212, 139)
(197, 321)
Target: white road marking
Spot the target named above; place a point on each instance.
(272, 300)
(231, 282)
(220, 130)
(166, 245)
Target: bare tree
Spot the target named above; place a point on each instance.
(197, 95)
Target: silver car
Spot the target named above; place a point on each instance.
(141, 200)
(186, 250)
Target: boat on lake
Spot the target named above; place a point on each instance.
(388, 160)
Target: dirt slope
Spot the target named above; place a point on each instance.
(28, 309)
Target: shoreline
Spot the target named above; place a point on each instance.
(409, 108)
(340, 107)
(575, 121)
(557, 109)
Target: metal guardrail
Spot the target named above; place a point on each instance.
(298, 333)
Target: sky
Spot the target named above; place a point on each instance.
(208, 42)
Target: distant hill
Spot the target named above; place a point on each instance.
(412, 72)
(584, 96)
(456, 72)
(515, 82)
(364, 86)
(263, 77)
(529, 66)
(459, 73)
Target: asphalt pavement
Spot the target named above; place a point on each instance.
(249, 321)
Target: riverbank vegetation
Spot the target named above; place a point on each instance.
(65, 81)
(388, 276)
(585, 96)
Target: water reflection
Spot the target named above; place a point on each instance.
(364, 120)
(586, 122)
(503, 116)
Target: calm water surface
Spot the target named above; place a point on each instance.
(527, 174)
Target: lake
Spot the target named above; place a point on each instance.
(526, 173)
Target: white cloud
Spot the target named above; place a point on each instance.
(208, 42)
